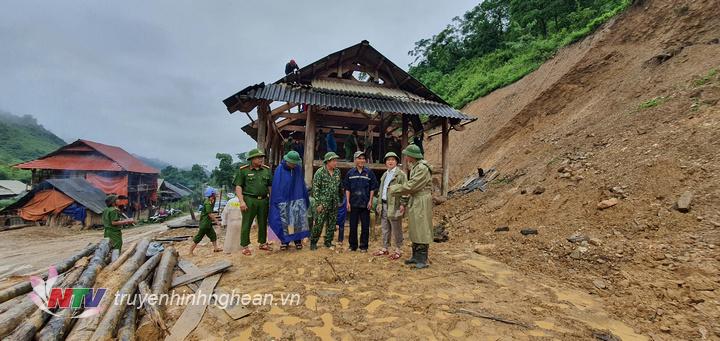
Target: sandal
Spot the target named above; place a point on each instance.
(283, 247)
(298, 246)
(265, 247)
(217, 250)
(395, 256)
(247, 252)
(381, 253)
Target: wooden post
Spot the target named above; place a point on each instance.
(309, 145)
(404, 136)
(381, 151)
(445, 187)
(404, 140)
(263, 111)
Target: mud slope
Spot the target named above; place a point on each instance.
(629, 113)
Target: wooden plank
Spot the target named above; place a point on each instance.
(209, 271)
(234, 309)
(192, 314)
(445, 185)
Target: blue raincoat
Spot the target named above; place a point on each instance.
(289, 204)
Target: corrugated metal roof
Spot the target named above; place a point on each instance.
(81, 191)
(340, 99)
(12, 187)
(78, 189)
(75, 157)
(360, 89)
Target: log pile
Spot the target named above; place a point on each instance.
(131, 273)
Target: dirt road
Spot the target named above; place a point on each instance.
(377, 298)
(34, 248)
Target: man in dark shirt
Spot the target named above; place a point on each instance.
(291, 67)
(360, 184)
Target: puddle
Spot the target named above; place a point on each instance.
(550, 326)
(496, 271)
(344, 303)
(275, 310)
(311, 302)
(324, 332)
(373, 306)
(272, 329)
(244, 335)
(291, 320)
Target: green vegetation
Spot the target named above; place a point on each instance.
(706, 79)
(22, 139)
(499, 41)
(652, 103)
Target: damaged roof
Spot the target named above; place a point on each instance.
(308, 86)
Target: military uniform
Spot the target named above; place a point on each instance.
(326, 192)
(110, 215)
(419, 188)
(206, 228)
(255, 183)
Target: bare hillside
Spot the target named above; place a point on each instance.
(630, 115)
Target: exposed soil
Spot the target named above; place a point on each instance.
(630, 113)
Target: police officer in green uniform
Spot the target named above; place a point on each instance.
(207, 217)
(252, 185)
(111, 221)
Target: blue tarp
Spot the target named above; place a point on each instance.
(76, 211)
(289, 203)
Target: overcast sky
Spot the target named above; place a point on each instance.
(150, 76)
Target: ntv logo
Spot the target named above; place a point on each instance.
(46, 297)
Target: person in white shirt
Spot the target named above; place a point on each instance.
(391, 208)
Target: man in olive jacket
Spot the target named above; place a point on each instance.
(391, 208)
(419, 188)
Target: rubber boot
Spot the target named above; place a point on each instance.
(422, 258)
(412, 259)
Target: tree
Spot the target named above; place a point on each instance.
(224, 173)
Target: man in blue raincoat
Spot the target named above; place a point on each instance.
(289, 202)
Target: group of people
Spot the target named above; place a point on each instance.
(282, 201)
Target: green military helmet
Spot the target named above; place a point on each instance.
(255, 153)
(330, 156)
(110, 199)
(292, 157)
(413, 151)
(391, 154)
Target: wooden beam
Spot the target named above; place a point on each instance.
(282, 108)
(337, 130)
(309, 145)
(404, 137)
(262, 111)
(445, 185)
